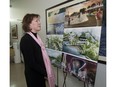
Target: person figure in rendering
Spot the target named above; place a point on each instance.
(68, 19)
(98, 16)
(75, 67)
(36, 61)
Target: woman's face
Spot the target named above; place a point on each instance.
(35, 25)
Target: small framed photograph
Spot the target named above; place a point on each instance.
(14, 31)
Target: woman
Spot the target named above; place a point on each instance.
(37, 63)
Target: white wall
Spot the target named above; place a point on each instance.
(21, 7)
(101, 75)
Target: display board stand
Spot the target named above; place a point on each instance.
(57, 75)
(57, 79)
(65, 75)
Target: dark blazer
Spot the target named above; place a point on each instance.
(34, 65)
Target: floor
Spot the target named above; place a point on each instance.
(17, 78)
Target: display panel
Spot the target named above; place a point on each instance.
(82, 42)
(55, 17)
(55, 57)
(82, 69)
(85, 14)
(54, 42)
(74, 31)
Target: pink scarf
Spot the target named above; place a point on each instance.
(51, 78)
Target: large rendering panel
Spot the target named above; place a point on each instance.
(85, 14)
(82, 69)
(82, 42)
